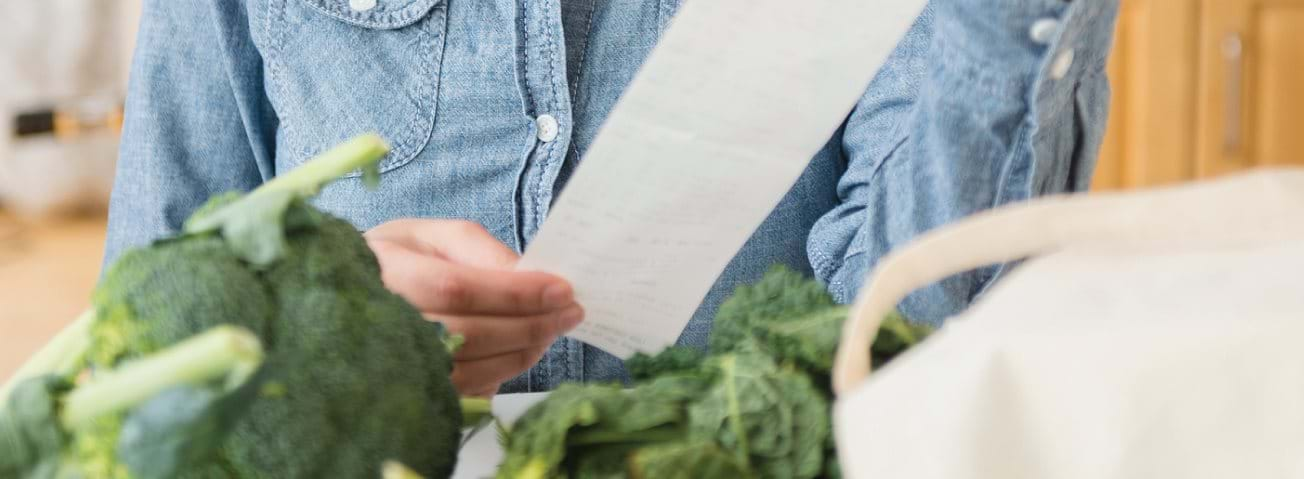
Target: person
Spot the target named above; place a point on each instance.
(489, 106)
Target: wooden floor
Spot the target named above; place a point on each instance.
(47, 271)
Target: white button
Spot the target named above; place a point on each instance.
(362, 5)
(547, 128)
(1062, 64)
(1043, 30)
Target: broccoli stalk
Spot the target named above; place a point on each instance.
(254, 224)
(62, 355)
(222, 352)
(41, 424)
(396, 470)
(475, 411)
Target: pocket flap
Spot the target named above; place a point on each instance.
(384, 15)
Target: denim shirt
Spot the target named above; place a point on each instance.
(984, 102)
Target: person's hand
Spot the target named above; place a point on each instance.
(458, 274)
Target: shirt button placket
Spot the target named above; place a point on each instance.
(549, 101)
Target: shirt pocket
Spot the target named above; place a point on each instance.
(337, 72)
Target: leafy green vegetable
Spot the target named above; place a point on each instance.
(588, 417)
(683, 460)
(49, 426)
(361, 377)
(771, 419)
(354, 376)
(781, 296)
(895, 336)
(756, 406)
(675, 359)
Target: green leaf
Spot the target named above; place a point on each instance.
(575, 421)
(672, 360)
(604, 461)
(772, 419)
(31, 439)
(536, 446)
(810, 341)
(780, 296)
(895, 336)
(180, 429)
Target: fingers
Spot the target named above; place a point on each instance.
(486, 374)
(488, 336)
(457, 273)
(436, 285)
(462, 242)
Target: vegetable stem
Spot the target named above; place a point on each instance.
(224, 351)
(363, 152)
(254, 225)
(62, 355)
(728, 365)
(396, 470)
(475, 410)
(663, 433)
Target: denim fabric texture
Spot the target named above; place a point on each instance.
(976, 108)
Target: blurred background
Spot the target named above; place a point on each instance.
(1201, 88)
(63, 67)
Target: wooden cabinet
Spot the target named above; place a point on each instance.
(1203, 88)
(1252, 85)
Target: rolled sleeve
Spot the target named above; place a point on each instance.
(990, 102)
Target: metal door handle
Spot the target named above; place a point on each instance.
(1233, 49)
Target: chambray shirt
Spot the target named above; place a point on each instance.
(984, 102)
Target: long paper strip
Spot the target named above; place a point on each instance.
(713, 131)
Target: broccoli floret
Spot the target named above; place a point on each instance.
(153, 297)
(366, 378)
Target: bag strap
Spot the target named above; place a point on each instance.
(1255, 208)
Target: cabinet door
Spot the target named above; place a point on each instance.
(1152, 68)
(1251, 85)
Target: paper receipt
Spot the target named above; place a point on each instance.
(714, 130)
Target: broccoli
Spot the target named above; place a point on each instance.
(173, 408)
(354, 377)
(756, 406)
